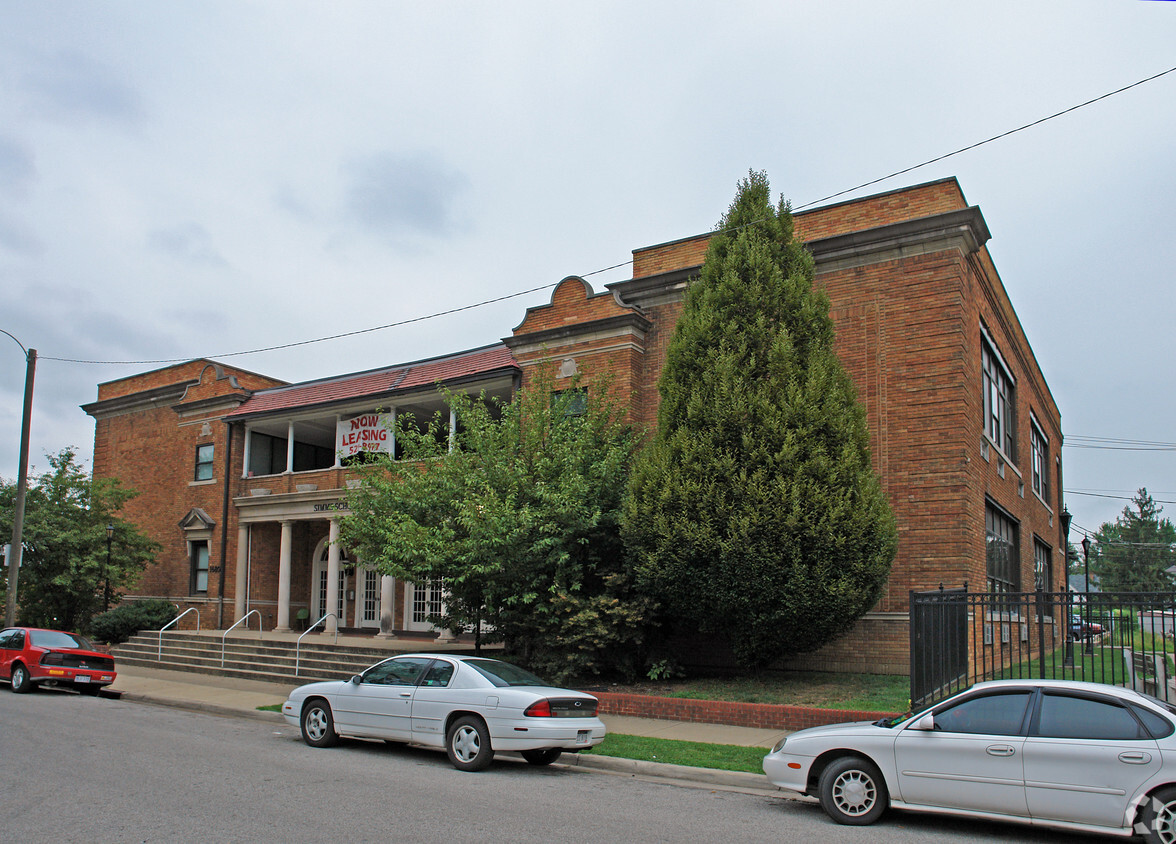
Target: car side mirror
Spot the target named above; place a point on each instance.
(926, 723)
(355, 680)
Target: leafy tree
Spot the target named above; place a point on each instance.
(1134, 553)
(64, 577)
(520, 519)
(755, 513)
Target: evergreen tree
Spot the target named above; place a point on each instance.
(754, 513)
(1134, 553)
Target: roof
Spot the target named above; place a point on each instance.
(381, 382)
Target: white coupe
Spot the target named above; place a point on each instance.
(468, 705)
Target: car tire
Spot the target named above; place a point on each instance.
(20, 680)
(468, 744)
(542, 757)
(318, 724)
(852, 791)
(1157, 817)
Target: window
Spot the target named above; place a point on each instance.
(999, 404)
(1003, 554)
(426, 601)
(1042, 566)
(402, 671)
(1039, 446)
(573, 402)
(999, 714)
(1083, 718)
(199, 558)
(204, 462)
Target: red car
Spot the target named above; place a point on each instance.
(30, 656)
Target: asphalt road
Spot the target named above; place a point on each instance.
(86, 769)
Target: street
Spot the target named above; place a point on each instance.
(104, 770)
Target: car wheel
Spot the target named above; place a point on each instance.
(20, 680)
(852, 791)
(1157, 818)
(318, 725)
(468, 744)
(542, 757)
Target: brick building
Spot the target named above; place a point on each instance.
(965, 434)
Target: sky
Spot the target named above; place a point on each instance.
(201, 179)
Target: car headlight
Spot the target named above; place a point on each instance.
(778, 746)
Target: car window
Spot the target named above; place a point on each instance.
(1156, 725)
(16, 643)
(439, 674)
(503, 673)
(997, 714)
(57, 639)
(396, 672)
(1064, 716)
(6, 638)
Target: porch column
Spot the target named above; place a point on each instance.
(331, 625)
(387, 605)
(290, 448)
(338, 454)
(283, 625)
(241, 590)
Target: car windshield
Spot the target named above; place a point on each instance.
(503, 673)
(57, 639)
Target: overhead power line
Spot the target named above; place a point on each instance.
(623, 263)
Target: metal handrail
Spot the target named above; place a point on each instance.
(242, 620)
(298, 644)
(159, 656)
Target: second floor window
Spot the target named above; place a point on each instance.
(999, 405)
(204, 462)
(1039, 445)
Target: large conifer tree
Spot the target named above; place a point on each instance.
(754, 513)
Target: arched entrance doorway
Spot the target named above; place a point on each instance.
(359, 590)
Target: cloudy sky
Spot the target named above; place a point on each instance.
(189, 179)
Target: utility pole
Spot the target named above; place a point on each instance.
(22, 484)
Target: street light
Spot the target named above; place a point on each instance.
(1068, 654)
(106, 570)
(1086, 558)
(22, 483)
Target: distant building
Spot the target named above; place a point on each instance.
(242, 476)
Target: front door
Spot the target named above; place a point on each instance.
(359, 591)
(424, 603)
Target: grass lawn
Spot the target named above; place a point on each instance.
(867, 692)
(696, 754)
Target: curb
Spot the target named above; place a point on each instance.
(207, 708)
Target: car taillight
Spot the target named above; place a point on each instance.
(52, 658)
(539, 709)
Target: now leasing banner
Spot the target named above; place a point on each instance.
(369, 432)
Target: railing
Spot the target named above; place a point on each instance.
(242, 620)
(174, 621)
(298, 644)
(959, 638)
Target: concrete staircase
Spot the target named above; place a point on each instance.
(272, 660)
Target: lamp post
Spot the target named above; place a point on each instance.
(22, 483)
(1068, 657)
(106, 570)
(1086, 558)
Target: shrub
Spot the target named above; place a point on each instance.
(121, 623)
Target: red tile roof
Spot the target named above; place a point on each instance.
(380, 382)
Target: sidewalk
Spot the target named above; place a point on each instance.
(241, 698)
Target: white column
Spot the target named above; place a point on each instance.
(283, 625)
(246, 452)
(387, 605)
(331, 625)
(241, 590)
(452, 429)
(338, 457)
(290, 447)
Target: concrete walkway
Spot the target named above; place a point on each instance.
(241, 698)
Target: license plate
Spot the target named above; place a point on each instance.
(82, 678)
(583, 736)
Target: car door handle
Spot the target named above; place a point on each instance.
(1000, 750)
(406, 694)
(1135, 757)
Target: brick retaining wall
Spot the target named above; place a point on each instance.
(769, 716)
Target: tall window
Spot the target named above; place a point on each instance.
(204, 462)
(1042, 566)
(1039, 445)
(1003, 551)
(199, 560)
(999, 404)
(426, 601)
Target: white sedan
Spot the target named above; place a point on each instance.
(468, 705)
(1056, 753)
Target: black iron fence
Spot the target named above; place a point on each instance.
(958, 638)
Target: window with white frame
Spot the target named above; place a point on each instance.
(1039, 446)
(198, 582)
(426, 601)
(1042, 566)
(999, 399)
